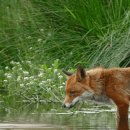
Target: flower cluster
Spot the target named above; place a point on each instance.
(30, 82)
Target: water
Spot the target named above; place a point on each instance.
(54, 117)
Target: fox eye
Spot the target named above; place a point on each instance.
(73, 93)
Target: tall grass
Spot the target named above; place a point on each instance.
(66, 30)
(86, 32)
(98, 16)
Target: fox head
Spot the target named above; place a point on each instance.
(77, 87)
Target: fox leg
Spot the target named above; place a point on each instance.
(122, 117)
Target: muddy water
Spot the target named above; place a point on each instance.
(54, 117)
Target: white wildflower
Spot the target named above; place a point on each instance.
(6, 74)
(71, 53)
(21, 85)
(9, 76)
(40, 75)
(26, 78)
(60, 76)
(12, 62)
(6, 67)
(31, 83)
(48, 89)
(28, 62)
(48, 80)
(49, 34)
(28, 84)
(42, 30)
(43, 82)
(5, 81)
(14, 68)
(30, 48)
(32, 77)
(39, 40)
(17, 63)
(29, 37)
(54, 86)
(61, 87)
(21, 69)
(35, 79)
(55, 70)
(18, 79)
(25, 72)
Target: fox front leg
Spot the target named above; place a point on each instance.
(122, 117)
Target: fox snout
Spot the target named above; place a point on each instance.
(67, 106)
(72, 103)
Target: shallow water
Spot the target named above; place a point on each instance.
(54, 117)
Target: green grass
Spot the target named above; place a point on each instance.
(86, 32)
(69, 30)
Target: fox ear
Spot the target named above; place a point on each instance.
(80, 74)
(67, 73)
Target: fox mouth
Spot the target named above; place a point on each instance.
(70, 106)
(73, 103)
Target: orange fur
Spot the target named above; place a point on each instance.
(114, 83)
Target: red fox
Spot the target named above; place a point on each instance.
(112, 83)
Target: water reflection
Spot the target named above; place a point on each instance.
(52, 116)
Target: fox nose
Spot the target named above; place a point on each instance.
(67, 106)
(63, 105)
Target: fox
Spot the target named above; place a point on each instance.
(110, 83)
